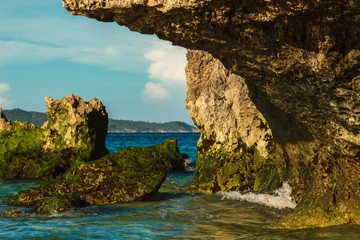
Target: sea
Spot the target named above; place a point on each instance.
(171, 213)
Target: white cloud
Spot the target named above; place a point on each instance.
(167, 64)
(4, 87)
(154, 91)
(4, 102)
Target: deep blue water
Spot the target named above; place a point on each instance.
(170, 215)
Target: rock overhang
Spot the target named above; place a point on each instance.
(300, 61)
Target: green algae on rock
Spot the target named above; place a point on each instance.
(75, 130)
(129, 175)
(50, 205)
(236, 149)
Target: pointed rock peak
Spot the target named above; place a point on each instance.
(5, 125)
(48, 100)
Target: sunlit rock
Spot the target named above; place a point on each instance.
(75, 130)
(5, 125)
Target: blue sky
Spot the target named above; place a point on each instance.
(45, 51)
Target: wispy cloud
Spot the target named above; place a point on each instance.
(40, 40)
(15, 52)
(154, 91)
(4, 102)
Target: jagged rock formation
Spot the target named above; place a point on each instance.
(5, 125)
(75, 130)
(128, 175)
(76, 123)
(300, 62)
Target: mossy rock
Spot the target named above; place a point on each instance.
(15, 212)
(22, 155)
(50, 205)
(75, 131)
(129, 175)
(242, 169)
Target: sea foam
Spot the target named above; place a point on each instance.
(279, 199)
(189, 166)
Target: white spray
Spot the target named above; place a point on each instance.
(279, 199)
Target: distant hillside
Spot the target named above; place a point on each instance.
(120, 126)
(37, 118)
(128, 126)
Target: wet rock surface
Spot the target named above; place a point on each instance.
(236, 150)
(129, 175)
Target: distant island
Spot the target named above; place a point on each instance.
(115, 126)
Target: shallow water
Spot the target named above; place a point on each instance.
(170, 215)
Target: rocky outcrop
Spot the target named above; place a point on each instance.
(75, 130)
(77, 124)
(130, 174)
(5, 125)
(300, 63)
(236, 150)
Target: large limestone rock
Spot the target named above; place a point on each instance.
(236, 142)
(77, 124)
(75, 130)
(300, 62)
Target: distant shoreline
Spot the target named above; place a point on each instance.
(114, 125)
(153, 132)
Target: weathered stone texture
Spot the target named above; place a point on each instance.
(75, 130)
(128, 175)
(77, 124)
(4, 123)
(300, 61)
(230, 126)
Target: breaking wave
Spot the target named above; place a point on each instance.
(189, 166)
(279, 199)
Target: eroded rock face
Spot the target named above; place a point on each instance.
(236, 142)
(75, 130)
(300, 62)
(77, 124)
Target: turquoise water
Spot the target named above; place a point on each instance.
(170, 215)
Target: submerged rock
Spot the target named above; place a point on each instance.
(129, 175)
(15, 212)
(300, 63)
(56, 204)
(75, 130)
